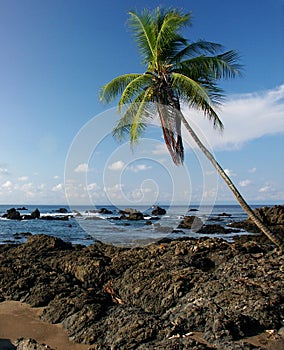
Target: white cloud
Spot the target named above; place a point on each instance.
(229, 172)
(7, 184)
(23, 178)
(92, 186)
(252, 170)
(56, 177)
(114, 188)
(4, 171)
(139, 167)
(245, 117)
(244, 183)
(265, 189)
(58, 187)
(116, 165)
(81, 168)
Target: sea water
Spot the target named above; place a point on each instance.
(92, 226)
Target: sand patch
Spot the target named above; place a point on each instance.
(19, 320)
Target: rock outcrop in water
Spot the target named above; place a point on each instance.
(273, 217)
(13, 214)
(184, 294)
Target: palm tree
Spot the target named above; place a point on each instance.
(176, 72)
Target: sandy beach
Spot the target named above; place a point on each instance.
(19, 320)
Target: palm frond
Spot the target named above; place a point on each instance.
(128, 112)
(172, 21)
(196, 96)
(137, 126)
(115, 87)
(197, 48)
(133, 88)
(143, 31)
(215, 67)
(198, 69)
(227, 65)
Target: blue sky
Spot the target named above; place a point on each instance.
(56, 55)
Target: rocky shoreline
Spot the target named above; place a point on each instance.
(182, 294)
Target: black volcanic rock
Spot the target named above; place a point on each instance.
(150, 297)
(104, 211)
(12, 214)
(35, 214)
(158, 211)
(191, 222)
(273, 217)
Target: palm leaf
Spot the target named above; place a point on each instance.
(215, 67)
(115, 87)
(197, 48)
(170, 24)
(134, 87)
(143, 29)
(196, 96)
(137, 126)
(128, 112)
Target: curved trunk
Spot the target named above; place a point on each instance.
(275, 239)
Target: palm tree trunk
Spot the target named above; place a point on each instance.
(275, 239)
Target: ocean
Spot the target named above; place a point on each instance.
(91, 226)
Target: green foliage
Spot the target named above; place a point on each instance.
(177, 71)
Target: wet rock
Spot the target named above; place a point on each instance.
(53, 218)
(12, 214)
(20, 235)
(61, 211)
(136, 216)
(273, 217)
(35, 214)
(104, 211)
(128, 211)
(158, 210)
(191, 222)
(213, 229)
(225, 214)
(22, 208)
(76, 213)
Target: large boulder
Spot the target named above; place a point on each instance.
(136, 216)
(158, 210)
(104, 211)
(128, 211)
(191, 222)
(35, 214)
(61, 211)
(12, 214)
(273, 217)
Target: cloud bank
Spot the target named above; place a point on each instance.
(245, 117)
